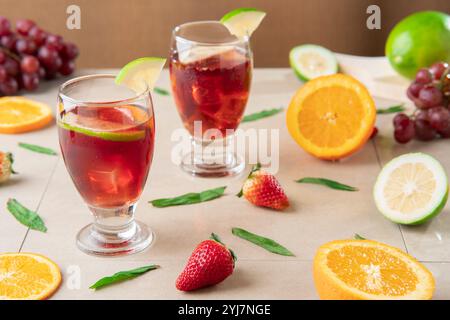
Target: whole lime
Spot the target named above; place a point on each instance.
(418, 41)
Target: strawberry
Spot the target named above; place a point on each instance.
(210, 263)
(262, 189)
(6, 161)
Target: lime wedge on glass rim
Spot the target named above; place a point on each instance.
(123, 136)
(243, 22)
(310, 61)
(411, 189)
(141, 72)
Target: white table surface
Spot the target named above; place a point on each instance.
(318, 215)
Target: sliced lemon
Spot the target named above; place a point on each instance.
(411, 189)
(310, 61)
(141, 73)
(243, 22)
(27, 276)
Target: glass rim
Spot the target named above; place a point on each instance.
(186, 40)
(120, 102)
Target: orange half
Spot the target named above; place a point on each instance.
(18, 114)
(27, 276)
(332, 116)
(369, 270)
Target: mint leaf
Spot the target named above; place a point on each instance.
(358, 237)
(266, 243)
(39, 149)
(161, 91)
(189, 198)
(122, 276)
(25, 216)
(10, 157)
(261, 114)
(391, 109)
(328, 183)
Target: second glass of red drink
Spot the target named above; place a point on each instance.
(210, 72)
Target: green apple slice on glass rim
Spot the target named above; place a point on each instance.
(243, 22)
(141, 72)
(411, 189)
(310, 61)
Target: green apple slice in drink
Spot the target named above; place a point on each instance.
(310, 61)
(140, 73)
(411, 189)
(243, 22)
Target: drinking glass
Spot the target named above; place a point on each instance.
(106, 134)
(210, 72)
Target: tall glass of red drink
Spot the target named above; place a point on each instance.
(106, 134)
(210, 72)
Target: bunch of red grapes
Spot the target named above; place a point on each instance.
(30, 54)
(430, 92)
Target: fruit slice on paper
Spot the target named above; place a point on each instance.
(331, 116)
(27, 276)
(19, 114)
(411, 189)
(141, 73)
(243, 22)
(369, 270)
(310, 61)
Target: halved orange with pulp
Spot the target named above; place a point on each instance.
(332, 116)
(18, 114)
(369, 270)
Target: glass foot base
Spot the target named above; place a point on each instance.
(233, 165)
(135, 238)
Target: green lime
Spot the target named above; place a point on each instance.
(106, 135)
(411, 189)
(418, 41)
(140, 73)
(310, 61)
(242, 22)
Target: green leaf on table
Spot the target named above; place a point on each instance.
(189, 198)
(261, 114)
(161, 91)
(25, 216)
(36, 148)
(122, 276)
(328, 183)
(358, 237)
(391, 109)
(266, 243)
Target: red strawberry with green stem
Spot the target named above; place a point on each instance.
(210, 263)
(262, 189)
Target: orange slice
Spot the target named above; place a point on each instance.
(369, 270)
(18, 114)
(27, 276)
(331, 116)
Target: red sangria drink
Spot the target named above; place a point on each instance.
(210, 72)
(107, 149)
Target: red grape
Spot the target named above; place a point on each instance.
(2, 56)
(413, 90)
(8, 41)
(67, 68)
(11, 67)
(430, 96)
(9, 87)
(439, 118)
(25, 46)
(30, 81)
(445, 133)
(422, 114)
(69, 51)
(423, 76)
(55, 41)
(29, 64)
(3, 74)
(401, 120)
(438, 69)
(38, 35)
(404, 134)
(41, 73)
(5, 26)
(47, 55)
(23, 26)
(424, 130)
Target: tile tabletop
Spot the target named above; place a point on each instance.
(317, 215)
